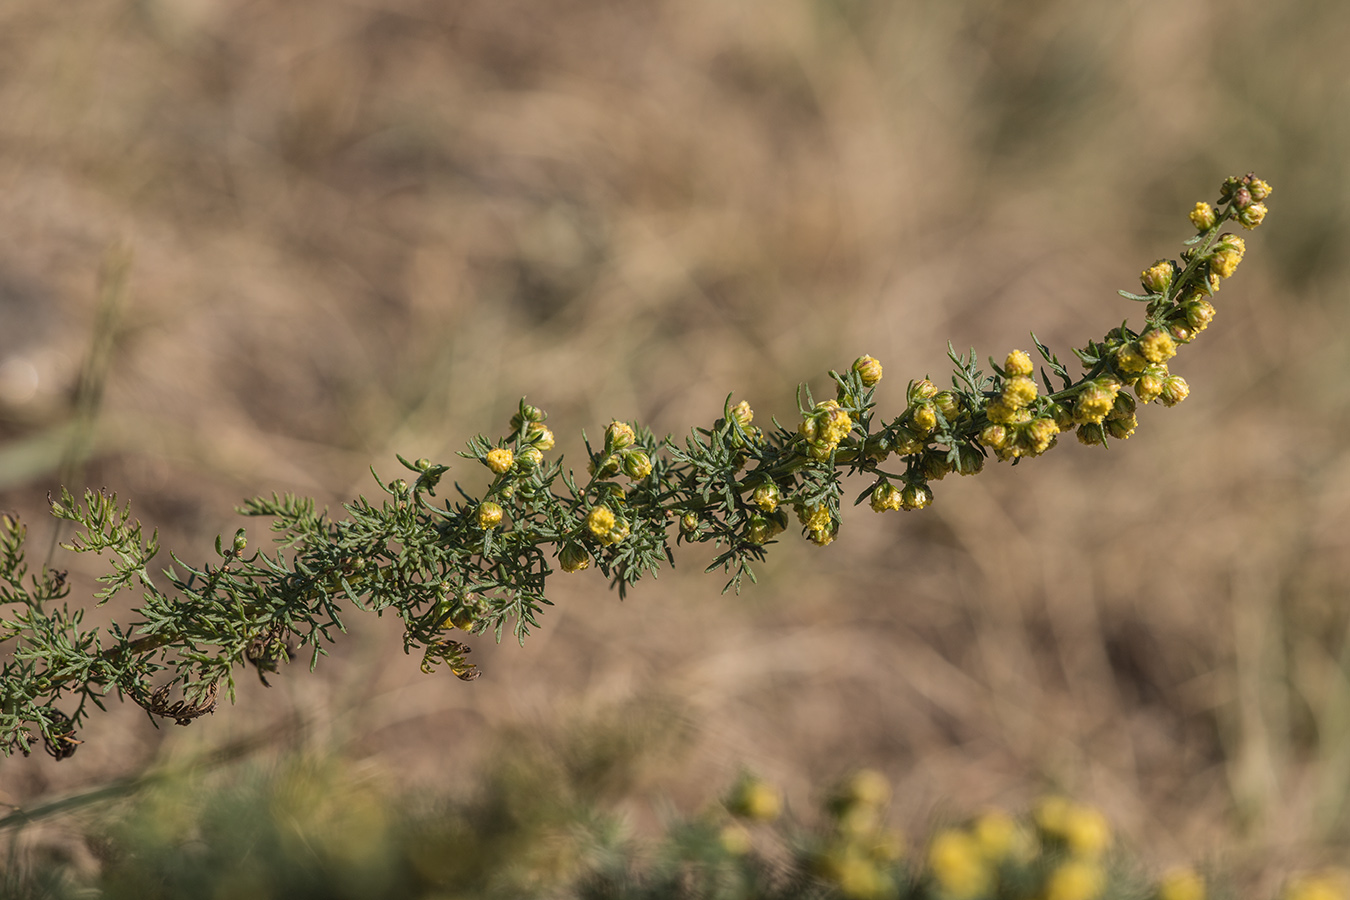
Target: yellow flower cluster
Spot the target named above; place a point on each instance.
(860, 851)
(824, 427)
(1014, 430)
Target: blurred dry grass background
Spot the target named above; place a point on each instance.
(368, 227)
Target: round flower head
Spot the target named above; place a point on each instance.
(760, 529)
(527, 413)
(923, 418)
(971, 462)
(600, 521)
(619, 435)
(1157, 278)
(489, 515)
(1129, 360)
(499, 460)
(994, 436)
(948, 403)
(1092, 434)
(1199, 313)
(1224, 261)
(530, 458)
(1149, 385)
(1041, 435)
(1174, 390)
(574, 558)
(637, 465)
(916, 496)
(1018, 363)
(1120, 429)
(923, 389)
(1252, 216)
(815, 518)
(1202, 217)
(869, 369)
(885, 496)
(1096, 400)
(935, 465)
(1019, 391)
(688, 525)
(743, 414)
(767, 497)
(1157, 346)
(1259, 189)
(539, 436)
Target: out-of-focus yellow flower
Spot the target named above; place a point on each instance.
(1075, 880)
(1330, 884)
(1181, 884)
(958, 865)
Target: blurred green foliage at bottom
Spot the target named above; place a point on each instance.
(544, 821)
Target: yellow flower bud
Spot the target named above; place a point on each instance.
(619, 435)
(761, 529)
(1202, 217)
(868, 369)
(743, 414)
(815, 518)
(971, 461)
(1157, 278)
(489, 515)
(1252, 216)
(1041, 435)
(920, 390)
(1259, 189)
(994, 436)
(530, 458)
(499, 460)
(923, 419)
(1199, 313)
(1018, 363)
(689, 525)
(1019, 391)
(948, 403)
(767, 497)
(1157, 346)
(600, 521)
(1120, 429)
(1093, 434)
(916, 496)
(1224, 262)
(538, 435)
(1129, 360)
(574, 558)
(637, 465)
(885, 496)
(1174, 390)
(1149, 385)
(1096, 400)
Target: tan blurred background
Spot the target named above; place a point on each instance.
(362, 228)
